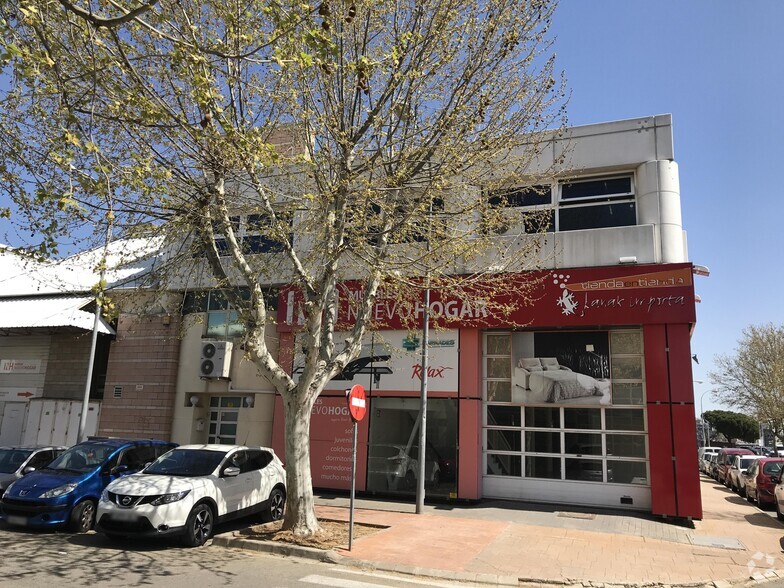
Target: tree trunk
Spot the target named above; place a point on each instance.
(300, 509)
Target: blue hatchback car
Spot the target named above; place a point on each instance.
(66, 492)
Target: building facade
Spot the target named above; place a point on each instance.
(579, 393)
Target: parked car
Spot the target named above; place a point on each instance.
(712, 464)
(723, 460)
(18, 461)
(401, 467)
(66, 492)
(778, 495)
(703, 453)
(736, 480)
(190, 489)
(760, 480)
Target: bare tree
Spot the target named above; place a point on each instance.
(752, 379)
(359, 138)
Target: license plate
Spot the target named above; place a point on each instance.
(14, 520)
(125, 515)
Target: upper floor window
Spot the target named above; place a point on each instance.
(572, 205)
(596, 203)
(223, 320)
(254, 234)
(411, 224)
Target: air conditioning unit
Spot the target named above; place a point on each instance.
(215, 359)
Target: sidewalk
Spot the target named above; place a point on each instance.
(507, 542)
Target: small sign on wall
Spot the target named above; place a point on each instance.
(20, 366)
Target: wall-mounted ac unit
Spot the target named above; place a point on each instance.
(215, 359)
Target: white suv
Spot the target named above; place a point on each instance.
(191, 488)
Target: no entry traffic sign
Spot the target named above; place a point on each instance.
(357, 402)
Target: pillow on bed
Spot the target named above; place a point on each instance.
(529, 362)
(550, 363)
(536, 368)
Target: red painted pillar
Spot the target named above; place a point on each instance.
(469, 455)
(684, 425)
(672, 432)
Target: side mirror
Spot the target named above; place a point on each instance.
(28, 470)
(231, 472)
(117, 470)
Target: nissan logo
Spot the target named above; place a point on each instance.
(23, 492)
(125, 500)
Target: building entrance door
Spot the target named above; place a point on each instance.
(224, 414)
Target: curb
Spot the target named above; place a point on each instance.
(331, 556)
(230, 540)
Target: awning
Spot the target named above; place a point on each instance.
(49, 312)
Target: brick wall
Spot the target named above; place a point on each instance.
(143, 362)
(66, 370)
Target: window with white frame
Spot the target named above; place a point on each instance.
(594, 438)
(568, 205)
(223, 321)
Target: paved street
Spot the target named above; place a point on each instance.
(44, 559)
(513, 540)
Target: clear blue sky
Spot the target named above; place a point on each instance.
(717, 67)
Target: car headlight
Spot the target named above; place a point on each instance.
(59, 491)
(169, 498)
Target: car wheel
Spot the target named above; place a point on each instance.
(742, 491)
(199, 526)
(749, 498)
(82, 517)
(277, 504)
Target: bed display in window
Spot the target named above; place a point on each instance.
(544, 380)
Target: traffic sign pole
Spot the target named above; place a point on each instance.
(357, 407)
(353, 485)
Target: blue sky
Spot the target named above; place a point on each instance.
(716, 66)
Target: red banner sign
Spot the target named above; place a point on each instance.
(613, 295)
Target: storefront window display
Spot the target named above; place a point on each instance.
(570, 406)
(393, 450)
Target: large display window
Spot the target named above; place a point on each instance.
(393, 447)
(566, 406)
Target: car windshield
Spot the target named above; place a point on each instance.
(11, 459)
(186, 462)
(82, 458)
(771, 468)
(745, 462)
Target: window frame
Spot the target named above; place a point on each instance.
(559, 203)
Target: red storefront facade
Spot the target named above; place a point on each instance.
(583, 396)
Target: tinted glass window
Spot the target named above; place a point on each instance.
(258, 460)
(504, 465)
(542, 442)
(516, 197)
(504, 440)
(771, 468)
(598, 187)
(41, 458)
(543, 467)
(583, 418)
(621, 214)
(503, 416)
